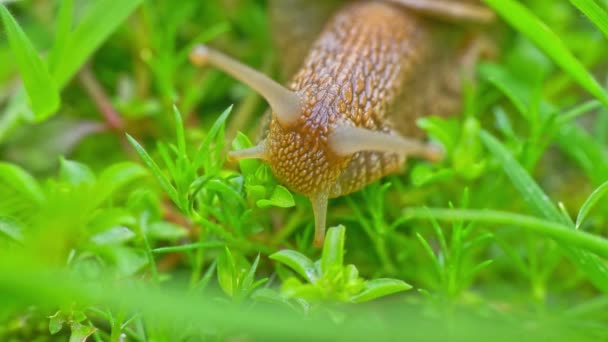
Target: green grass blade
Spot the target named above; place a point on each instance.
(558, 231)
(216, 128)
(594, 12)
(188, 247)
(162, 179)
(590, 202)
(179, 131)
(530, 191)
(429, 250)
(41, 90)
(100, 21)
(64, 27)
(587, 153)
(582, 109)
(530, 26)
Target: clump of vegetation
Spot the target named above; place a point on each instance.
(120, 218)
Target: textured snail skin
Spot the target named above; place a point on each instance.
(348, 115)
(363, 70)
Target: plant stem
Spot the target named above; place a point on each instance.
(117, 326)
(558, 231)
(100, 98)
(143, 224)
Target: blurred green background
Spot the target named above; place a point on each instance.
(153, 236)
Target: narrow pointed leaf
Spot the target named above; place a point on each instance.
(218, 126)
(518, 16)
(104, 17)
(379, 288)
(595, 13)
(40, 87)
(162, 179)
(525, 184)
(64, 22)
(590, 203)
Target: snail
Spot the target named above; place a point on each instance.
(347, 117)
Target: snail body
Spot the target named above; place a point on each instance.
(347, 117)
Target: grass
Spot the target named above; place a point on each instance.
(120, 218)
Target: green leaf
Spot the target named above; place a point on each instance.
(104, 17)
(113, 236)
(116, 177)
(21, 181)
(41, 90)
(429, 250)
(508, 84)
(528, 188)
(80, 332)
(75, 173)
(298, 262)
(594, 12)
(583, 149)
(444, 130)
(379, 288)
(590, 202)
(56, 322)
(272, 296)
(64, 22)
(164, 182)
(179, 130)
(333, 249)
(166, 231)
(11, 228)
(281, 197)
(518, 16)
(247, 283)
(248, 166)
(128, 261)
(215, 130)
(226, 272)
(189, 247)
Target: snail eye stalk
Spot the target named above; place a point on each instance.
(347, 140)
(286, 105)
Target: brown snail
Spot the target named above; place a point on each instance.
(347, 117)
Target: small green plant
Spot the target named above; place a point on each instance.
(75, 320)
(452, 259)
(236, 276)
(328, 279)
